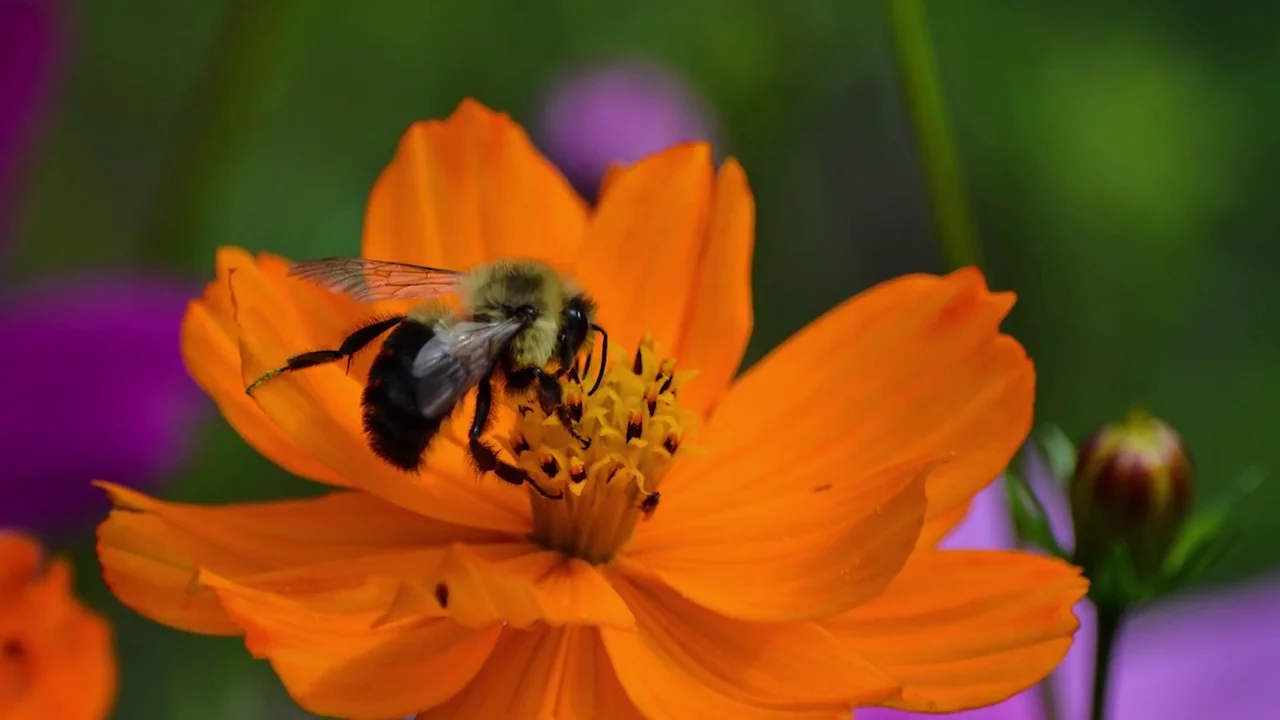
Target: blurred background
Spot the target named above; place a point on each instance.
(1121, 163)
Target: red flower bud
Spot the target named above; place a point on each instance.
(1133, 485)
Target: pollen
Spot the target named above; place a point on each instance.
(629, 431)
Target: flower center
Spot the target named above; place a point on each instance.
(631, 427)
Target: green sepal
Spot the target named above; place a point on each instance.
(1030, 521)
(1115, 582)
(1207, 535)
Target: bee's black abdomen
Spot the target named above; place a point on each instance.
(397, 431)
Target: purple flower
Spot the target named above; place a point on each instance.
(28, 47)
(95, 388)
(617, 114)
(1210, 655)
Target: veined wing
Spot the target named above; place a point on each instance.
(371, 280)
(456, 359)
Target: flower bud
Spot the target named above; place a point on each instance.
(1132, 486)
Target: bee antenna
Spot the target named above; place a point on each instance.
(604, 357)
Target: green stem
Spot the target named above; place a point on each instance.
(1109, 618)
(922, 92)
(228, 102)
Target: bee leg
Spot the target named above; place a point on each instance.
(550, 397)
(485, 457)
(354, 343)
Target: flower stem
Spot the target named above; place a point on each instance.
(1109, 618)
(922, 92)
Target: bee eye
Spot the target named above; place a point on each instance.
(574, 332)
(526, 313)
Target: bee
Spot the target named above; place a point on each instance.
(520, 322)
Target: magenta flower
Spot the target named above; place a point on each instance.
(28, 48)
(95, 387)
(94, 384)
(617, 114)
(1209, 655)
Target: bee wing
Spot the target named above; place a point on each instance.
(370, 280)
(456, 359)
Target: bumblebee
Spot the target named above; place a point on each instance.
(520, 322)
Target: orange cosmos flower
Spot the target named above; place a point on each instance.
(56, 659)
(789, 570)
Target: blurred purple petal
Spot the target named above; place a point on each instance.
(96, 388)
(1052, 495)
(1020, 707)
(987, 526)
(1209, 655)
(28, 45)
(617, 113)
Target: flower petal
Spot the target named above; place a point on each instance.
(1024, 706)
(151, 551)
(211, 351)
(318, 409)
(1005, 616)
(542, 672)
(813, 548)
(718, 318)
(678, 667)
(335, 664)
(471, 189)
(516, 583)
(769, 663)
(64, 666)
(911, 367)
(663, 256)
(346, 553)
(133, 421)
(20, 558)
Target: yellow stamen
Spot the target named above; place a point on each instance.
(634, 426)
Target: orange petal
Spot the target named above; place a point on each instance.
(151, 550)
(678, 667)
(471, 189)
(210, 350)
(767, 663)
(335, 664)
(668, 252)
(718, 318)
(516, 583)
(543, 672)
(965, 629)
(569, 591)
(20, 558)
(812, 547)
(915, 366)
(318, 409)
(65, 666)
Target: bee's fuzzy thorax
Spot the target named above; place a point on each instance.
(498, 290)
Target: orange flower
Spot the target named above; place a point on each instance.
(55, 656)
(790, 569)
